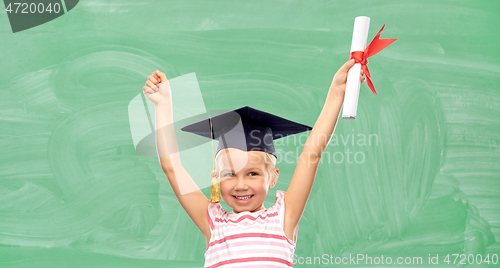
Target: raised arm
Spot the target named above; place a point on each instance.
(190, 197)
(301, 184)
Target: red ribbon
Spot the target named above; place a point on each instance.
(375, 46)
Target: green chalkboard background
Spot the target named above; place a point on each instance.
(74, 192)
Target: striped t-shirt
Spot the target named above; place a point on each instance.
(249, 239)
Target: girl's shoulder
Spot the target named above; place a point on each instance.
(278, 202)
(280, 195)
(216, 210)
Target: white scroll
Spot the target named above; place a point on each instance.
(359, 36)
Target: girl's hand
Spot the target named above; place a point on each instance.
(339, 80)
(157, 88)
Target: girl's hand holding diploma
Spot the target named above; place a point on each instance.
(337, 89)
(157, 88)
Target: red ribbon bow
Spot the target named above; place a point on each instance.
(375, 46)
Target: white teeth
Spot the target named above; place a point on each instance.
(243, 198)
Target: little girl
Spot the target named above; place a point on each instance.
(250, 235)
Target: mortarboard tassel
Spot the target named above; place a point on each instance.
(215, 189)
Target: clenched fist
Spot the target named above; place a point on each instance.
(157, 88)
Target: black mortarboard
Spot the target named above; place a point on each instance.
(247, 129)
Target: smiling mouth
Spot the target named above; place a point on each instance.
(246, 197)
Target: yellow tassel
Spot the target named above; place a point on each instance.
(215, 190)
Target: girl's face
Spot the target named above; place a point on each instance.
(244, 175)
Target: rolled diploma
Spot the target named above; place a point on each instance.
(359, 36)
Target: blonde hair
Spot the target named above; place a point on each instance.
(269, 159)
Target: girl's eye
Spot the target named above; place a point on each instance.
(228, 175)
(253, 173)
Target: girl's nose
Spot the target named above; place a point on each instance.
(240, 184)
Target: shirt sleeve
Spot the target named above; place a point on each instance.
(214, 211)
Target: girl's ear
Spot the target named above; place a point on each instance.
(274, 177)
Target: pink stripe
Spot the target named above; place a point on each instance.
(246, 243)
(247, 217)
(210, 221)
(243, 251)
(260, 223)
(269, 259)
(236, 236)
